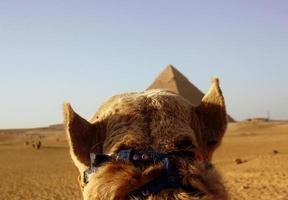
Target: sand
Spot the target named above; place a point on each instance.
(48, 173)
(28, 174)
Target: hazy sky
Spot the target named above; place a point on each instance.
(85, 51)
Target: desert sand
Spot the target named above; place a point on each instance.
(48, 173)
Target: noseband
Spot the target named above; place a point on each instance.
(169, 179)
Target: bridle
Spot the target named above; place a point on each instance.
(169, 179)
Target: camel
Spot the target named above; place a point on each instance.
(151, 145)
(37, 145)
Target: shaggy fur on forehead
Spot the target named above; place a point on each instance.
(154, 119)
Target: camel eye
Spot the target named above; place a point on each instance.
(212, 143)
(184, 142)
(121, 147)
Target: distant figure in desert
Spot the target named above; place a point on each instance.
(152, 145)
(37, 145)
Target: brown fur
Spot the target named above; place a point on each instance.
(156, 119)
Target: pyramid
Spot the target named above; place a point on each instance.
(171, 79)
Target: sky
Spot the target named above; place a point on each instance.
(86, 51)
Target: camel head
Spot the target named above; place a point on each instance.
(149, 145)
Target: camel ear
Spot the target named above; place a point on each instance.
(213, 118)
(83, 137)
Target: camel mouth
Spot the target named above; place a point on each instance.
(159, 170)
(164, 185)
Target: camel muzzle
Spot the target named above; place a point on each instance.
(170, 177)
